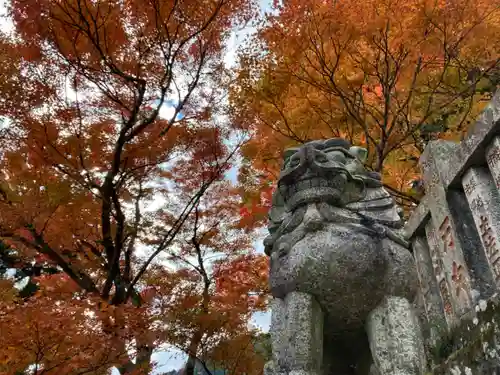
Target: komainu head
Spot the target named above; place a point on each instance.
(323, 171)
(330, 174)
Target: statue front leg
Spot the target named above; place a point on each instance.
(395, 338)
(278, 344)
(303, 335)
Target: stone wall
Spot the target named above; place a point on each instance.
(455, 237)
(472, 347)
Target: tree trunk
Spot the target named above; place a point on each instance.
(143, 361)
(193, 349)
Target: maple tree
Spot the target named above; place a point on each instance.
(222, 283)
(245, 353)
(110, 202)
(388, 75)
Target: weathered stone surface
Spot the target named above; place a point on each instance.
(296, 335)
(277, 330)
(304, 334)
(471, 149)
(482, 195)
(439, 274)
(458, 223)
(433, 303)
(471, 348)
(493, 160)
(418, 218)
(451, 272)
(395, 338)
(335, 240)
(482, 280)
(363, 272)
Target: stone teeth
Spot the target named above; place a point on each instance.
(332, 183)
(290, 190)
(336, 182)
(303, 185)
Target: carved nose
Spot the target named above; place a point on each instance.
(312, 219)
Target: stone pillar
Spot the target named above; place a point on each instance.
(304, 335)
(278, 338)
(395, 338)
(482, 195)
(438, 270)
(432, 301)
(482, 281)
(493, 160)
(449, 264)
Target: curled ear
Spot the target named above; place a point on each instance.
(289, 152)
(360, 152)
(355, 190)
(277, 212)
(359, 187)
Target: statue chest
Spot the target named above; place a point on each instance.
(331, 263)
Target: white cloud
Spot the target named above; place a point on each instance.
(167, 110)
(10, 273)
(261, 320)
(6, 25)
(258, 243)
(168, 360)
(234, 42)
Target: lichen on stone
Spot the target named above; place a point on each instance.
(472, 346)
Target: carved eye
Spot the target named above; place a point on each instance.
(321, 158)
(337, 156)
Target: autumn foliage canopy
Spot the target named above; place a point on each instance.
(117, 215)
(389, 75)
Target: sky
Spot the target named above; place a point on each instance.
(170, 358)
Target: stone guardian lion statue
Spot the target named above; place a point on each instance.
(341, 274)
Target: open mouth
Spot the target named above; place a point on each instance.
(314, 189)
(288, 190)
